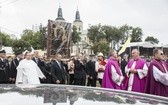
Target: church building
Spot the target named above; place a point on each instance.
(84, 45)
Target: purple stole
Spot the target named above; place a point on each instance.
(138, 84)
(155, 87)
(107, 81)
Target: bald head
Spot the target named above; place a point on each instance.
(135, 53)
(113, 53)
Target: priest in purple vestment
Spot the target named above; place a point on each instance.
(157, 78)
(113, 77)
(136, 71)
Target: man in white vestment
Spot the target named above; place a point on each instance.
(28, 72)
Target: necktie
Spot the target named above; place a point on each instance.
(59, 63)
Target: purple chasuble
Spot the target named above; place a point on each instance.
(153, 86)
(138, 84)
(107, 81)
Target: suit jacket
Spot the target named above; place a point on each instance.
(123, 64)
(4, 71)
(39, 63)
(79, 70)
(58, 72)
(90, 68)
(13, 71)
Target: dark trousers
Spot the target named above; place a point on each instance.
(71, 79)
(41, 80)
(80, 81)
(63, 81)
(12, 82)
(3, 82)
(100, 81)
(91, 82)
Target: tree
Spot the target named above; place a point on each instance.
(94, 33)
(39, 38)
(28, 37)
(101, 46)
(97, 36)
(125, 31)
(36, 39)
(111, 33)
(5, 39)
(152, 40)
(75, 35)
(136, 35)
(20, 44)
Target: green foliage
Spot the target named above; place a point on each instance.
(94, 34)
(100, 36)
(75, 35)
(117, 35)
(101, 46)
(5, 39)
(136, 35)
(35, 39)
(21, 44)
(42, 37)
(29, 38)
(125, 32)
(97, 35)
(152, 40)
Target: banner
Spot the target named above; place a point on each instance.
(58, 39)
(125, 46)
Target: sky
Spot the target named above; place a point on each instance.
(150, 15)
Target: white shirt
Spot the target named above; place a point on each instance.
(116, 77)
(71, 66)
(160, 76)
(97, 66)
(59, 64)
(141, 73)
(28, 72)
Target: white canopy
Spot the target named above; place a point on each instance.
(8, 50)
(142, 44)
(165, 46)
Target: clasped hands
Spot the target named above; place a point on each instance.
(133, 70)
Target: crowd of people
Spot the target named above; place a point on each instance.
(133, 74)
(140, 76)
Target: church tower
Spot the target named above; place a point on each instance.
(78, 23)
(60, 15)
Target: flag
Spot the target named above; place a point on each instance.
(125, 46)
